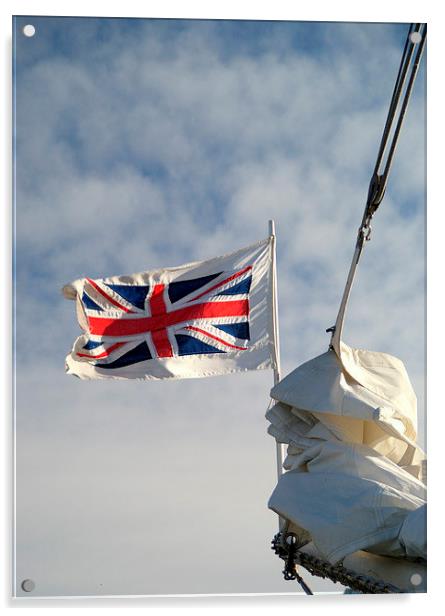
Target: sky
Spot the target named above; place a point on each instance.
(150, 143)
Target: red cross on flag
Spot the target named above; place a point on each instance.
(201, 319)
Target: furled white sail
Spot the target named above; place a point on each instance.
(355, 476)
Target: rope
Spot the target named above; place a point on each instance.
(379, 181)
(404, 63)
(414, 70)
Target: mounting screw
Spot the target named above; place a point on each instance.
(28, 585)
(29, 30)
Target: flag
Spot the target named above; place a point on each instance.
(200, 319)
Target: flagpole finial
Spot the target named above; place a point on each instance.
(271, 227)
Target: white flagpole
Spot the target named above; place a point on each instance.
(276, 345)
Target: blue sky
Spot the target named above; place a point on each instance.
(146, 143)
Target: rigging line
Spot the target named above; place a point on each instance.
(303, 584)
(404, 107)
(378, 183)
(403, 68)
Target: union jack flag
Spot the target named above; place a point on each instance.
(159, 317)
(130, 323)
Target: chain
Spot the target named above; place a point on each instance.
(287, 548)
